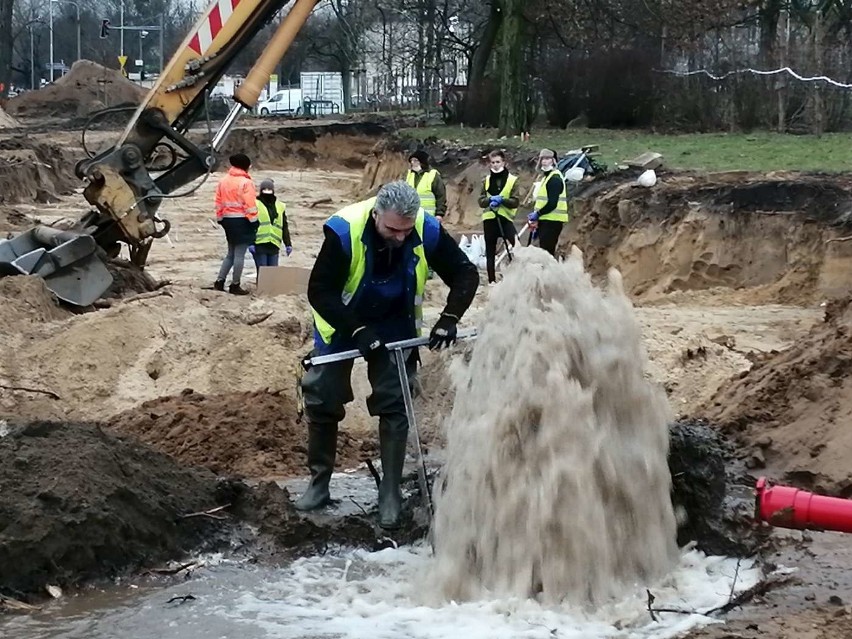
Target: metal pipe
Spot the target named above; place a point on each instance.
(249, 91)
(425, 490)
(227, 125)
(467, 333)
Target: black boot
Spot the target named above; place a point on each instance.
(322, 448)
(236, 289)
(219, 285)
(392, 445)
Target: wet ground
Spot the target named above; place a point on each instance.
(355, 594)
(696, 342)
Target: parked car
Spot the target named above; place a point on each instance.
(285, 102)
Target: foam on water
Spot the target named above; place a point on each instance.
(381, 595)
(556, 484)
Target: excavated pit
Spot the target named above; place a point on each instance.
(693, 245)
(790, 413)
(33, 171)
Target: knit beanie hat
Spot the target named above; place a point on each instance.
(240, 161)
(267, 185)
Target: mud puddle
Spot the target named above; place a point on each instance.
(355, 593)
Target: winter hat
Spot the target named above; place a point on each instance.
(267, 185)
(421, 156)
(240, 161)
(546, 153)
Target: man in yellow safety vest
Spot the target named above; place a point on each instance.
(273, 231)
(366, 290)
(428, 184)
(499, 200)
(551, 203)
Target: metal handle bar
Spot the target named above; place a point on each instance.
(467, 333)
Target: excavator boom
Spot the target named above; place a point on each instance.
(124, 195)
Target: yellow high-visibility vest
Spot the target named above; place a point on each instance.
(357, 215)
(424, 189)
(505, 211)
(270, 232)
(560, 213)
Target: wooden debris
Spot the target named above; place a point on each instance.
(26, 389)
(209, 513)
(325, 200)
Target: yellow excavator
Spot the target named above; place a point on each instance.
(119, 184)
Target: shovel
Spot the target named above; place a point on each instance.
(398, 351)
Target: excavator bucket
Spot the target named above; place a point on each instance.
(67, 261)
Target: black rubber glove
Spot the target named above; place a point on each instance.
(368, 343)
(444, 333)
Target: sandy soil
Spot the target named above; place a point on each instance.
(193, 371)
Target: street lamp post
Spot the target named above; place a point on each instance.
(32, 58)
(121, 32)
(142, 35)
(50, 8)
(79, 39)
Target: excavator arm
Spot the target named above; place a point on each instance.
(119, 185)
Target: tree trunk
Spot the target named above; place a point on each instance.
(784, 60)
(819, 110)
(426, 96)
(512, 95)
(346, 79)
(6, 45)
(479, 62)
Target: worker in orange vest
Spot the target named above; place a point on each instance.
(236, 212)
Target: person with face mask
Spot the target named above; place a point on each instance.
(273, 231)
(499, 200)
(428, 184)
(365, 290)
(551, 203)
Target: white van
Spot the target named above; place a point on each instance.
(286, 102)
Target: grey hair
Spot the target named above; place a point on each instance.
(399, 197)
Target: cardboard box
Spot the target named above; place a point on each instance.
(282, 280)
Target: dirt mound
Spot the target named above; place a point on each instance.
(26, 299)
(87, 87)
(6, 120)
(107, 362)
(791, 411)
(738, 231)
(250, 434)
(79, 505)
(35, 171)
(128, 279)
(330, 146)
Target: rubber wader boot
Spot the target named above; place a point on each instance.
(390, 495)
(322, 448)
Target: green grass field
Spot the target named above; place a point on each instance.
(759, 151)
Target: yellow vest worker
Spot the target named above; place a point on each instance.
(428, 184)
(273, 231)
(499, 200)
(551, 203)
(366, 290)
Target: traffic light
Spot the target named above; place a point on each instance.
(104, 28)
